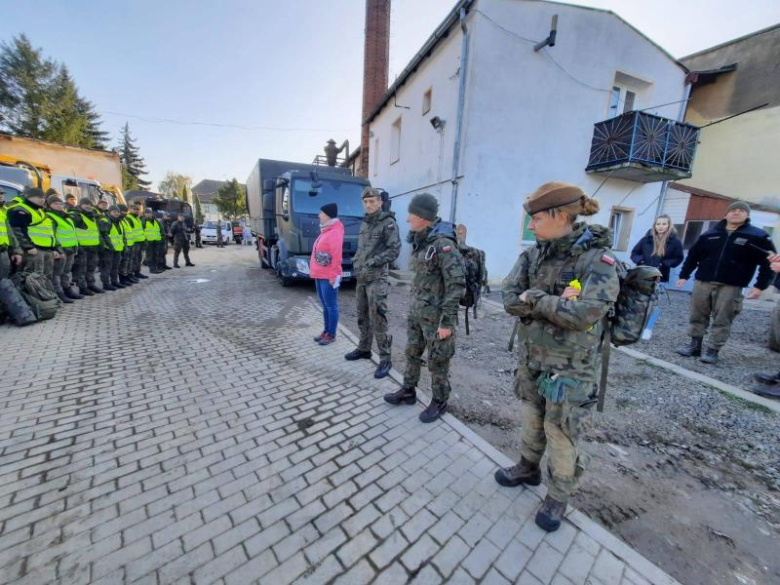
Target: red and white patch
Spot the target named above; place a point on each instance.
(606, 259)
(446, 249)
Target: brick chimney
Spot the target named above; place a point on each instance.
(376, 57)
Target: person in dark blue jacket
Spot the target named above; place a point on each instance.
(725, 259)
(660, 248)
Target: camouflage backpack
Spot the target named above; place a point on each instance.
(635, 303)
(13, 305)
(38, 292)
(474, 262)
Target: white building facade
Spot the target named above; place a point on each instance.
(527, 118)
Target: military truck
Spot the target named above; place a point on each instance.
(284, 200)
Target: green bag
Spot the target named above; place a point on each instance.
(38, 292)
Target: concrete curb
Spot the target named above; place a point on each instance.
(772, 405)
(606, 539)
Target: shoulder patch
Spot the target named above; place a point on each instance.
(446, 249)
(391, 225)
(607, 259)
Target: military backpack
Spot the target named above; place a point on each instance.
(474, 262)
(38, 292)
(636, 301)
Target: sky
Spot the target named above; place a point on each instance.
(278, 78)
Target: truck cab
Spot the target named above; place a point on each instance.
(297, 198)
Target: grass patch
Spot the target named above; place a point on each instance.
(747, 403)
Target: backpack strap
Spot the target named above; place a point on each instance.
(606, 343)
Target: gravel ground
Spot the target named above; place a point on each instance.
(688, 476)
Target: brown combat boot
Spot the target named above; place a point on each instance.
(550, 514)
(524, 472)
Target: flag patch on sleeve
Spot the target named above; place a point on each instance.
(446, 249)
(607, 259)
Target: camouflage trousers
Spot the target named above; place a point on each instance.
(5, 264)
(106, 263)
(58, 271)
(84, 268)
(422, 335)
(553, 428)
(372, 316)
(138, 256)
(722, 303)
(66, 267)
(125, 263)
(42, 262)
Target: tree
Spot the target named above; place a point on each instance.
(133, 166)
(175, 186)
(25, 83)
(231, 200)
(40, 99)
(198, 210)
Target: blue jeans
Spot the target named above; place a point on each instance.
(329, 299)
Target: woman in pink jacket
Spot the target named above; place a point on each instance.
(325, 269)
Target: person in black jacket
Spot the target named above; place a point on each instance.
(181, 241)
(725, 259)
(660, 248)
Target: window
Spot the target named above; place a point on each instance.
(620, 223)
(693, 229)
(528, 235)
(395, 141)
(426, 104)
(286, 199)
(621, 101)
(376, 156)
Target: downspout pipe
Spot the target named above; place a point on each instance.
(464, 60)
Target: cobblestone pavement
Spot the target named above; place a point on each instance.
(188, 430)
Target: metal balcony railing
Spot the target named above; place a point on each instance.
(643, 147)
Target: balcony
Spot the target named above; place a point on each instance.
(643, 147)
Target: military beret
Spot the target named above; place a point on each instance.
(551, 195)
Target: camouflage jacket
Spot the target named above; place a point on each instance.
(378, 246)
(564, 336)
(439, 276)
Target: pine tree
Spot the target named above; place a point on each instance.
(133, 166)
(231, 200)
(94, 136)
(198, 209)
(25, 86)
(64, 122)
(184, 194)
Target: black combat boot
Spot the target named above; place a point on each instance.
(72, 294)
(96, 289)
(64, 298)
(710, 356)
(524, 472)
(189, 264)
(768, 378)
(550, 514)
(693, 349)
(357, 354)
(109, 287)
(402, 396)
(434, 411)
(117, 284)
(141, 276)
(86, 292)
(767, 390)
(133, 279)
(383, 369)
(176, 266)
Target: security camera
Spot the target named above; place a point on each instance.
(437, 123)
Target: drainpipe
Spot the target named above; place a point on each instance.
(464, 57)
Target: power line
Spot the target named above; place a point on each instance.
(216, 125)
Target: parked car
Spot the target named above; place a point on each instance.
(208, 232)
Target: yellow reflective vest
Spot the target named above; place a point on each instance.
(117, 237)
(138, 228)
(41, 230)
(127, 226)
(64, 230)
(90, 237)
(152, 231)
(5, 238)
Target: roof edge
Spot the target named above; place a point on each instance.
(732, 41)
(712, 195)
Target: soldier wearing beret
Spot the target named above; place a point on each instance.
(438, 285)
(561, 289)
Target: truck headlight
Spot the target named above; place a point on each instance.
(302, 265)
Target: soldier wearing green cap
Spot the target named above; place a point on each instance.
(438, 285)
(378, 247)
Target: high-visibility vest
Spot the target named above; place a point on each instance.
(64, 230)
(41, 230)
(89, 237)
(127, 226)
(5, 238)
(117, 237)
(138, 228)
(152, 231)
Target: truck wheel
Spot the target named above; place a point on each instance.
(285, 281)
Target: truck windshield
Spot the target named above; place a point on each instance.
(344, 194)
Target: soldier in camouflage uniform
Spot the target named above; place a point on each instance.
(378, 246)
(563, 323)
(438, 285)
